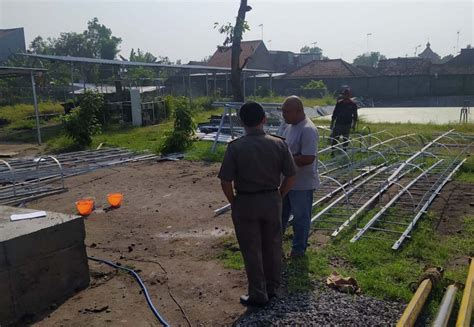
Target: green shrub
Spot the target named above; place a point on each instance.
(202, 103)
(262, 91)
(180, 138)
(169, 105)
(83, 122)
(315, 85)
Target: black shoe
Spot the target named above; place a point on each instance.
(245, 300)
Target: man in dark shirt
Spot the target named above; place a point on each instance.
(344, 118)
(254, 165)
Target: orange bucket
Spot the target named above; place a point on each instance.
(85, 206)
(115, 199)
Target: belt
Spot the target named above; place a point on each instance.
(256, 192)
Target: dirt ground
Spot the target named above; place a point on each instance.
(9, 149)
(166, 231)
(454, 203)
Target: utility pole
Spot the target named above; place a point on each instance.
(261, 27)
(457, 42)
(368, 34)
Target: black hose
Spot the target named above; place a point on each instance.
(142, 285)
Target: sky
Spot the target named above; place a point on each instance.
(185, 29)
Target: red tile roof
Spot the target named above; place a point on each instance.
(222, 56)
(404, 66)
(327, 68)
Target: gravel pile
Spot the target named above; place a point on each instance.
(325, 307)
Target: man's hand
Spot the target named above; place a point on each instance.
(228, 190)
(301, 160)
(286, 185)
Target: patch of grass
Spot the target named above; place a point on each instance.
(61, 144)
(49, 131)
(134, 138)
(466, 172)
(201, 151)
(385, 273)
(231, 256)
(425, 130)
(19, 112)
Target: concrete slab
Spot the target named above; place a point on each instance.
(43, 261)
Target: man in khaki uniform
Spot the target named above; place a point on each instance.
(254, 164)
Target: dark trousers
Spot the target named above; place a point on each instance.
(257, 222)
(338, 131)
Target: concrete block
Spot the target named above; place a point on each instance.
(6, 299)
(43, 261)
(55, 277)
(47, 240)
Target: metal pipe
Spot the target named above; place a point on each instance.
(410, 227)
(446, 306)
(12, 173)
(414, 156)
(35, 103)
(392, 201)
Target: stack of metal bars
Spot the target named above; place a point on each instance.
(26, 179)
(396, 219)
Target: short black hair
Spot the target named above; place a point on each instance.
(251, 114)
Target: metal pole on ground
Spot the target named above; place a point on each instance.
(214, 145)
(207, 85)
(35, 103)
(446, 307)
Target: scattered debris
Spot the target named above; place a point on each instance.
(343, 284)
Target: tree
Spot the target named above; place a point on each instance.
(141, 72)
(313, 50)
(316, 51)
(142, 56)
(234, 39)
(82, 122)
(369, 59)
(96, 41)
(100, 40)
(41, 46)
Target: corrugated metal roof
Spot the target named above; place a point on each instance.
(129, 63)
(6, 71)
